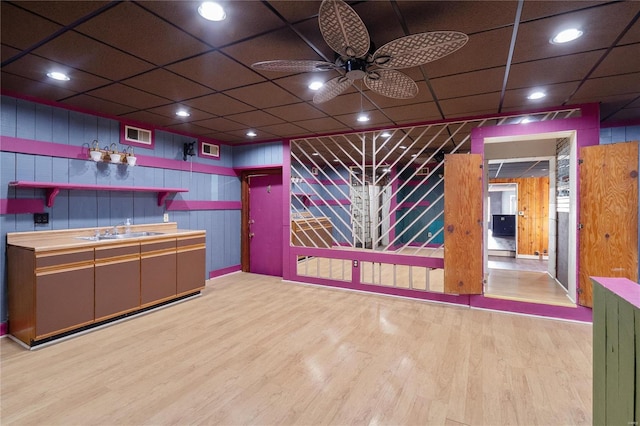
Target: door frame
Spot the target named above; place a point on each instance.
(245, 252)
(573, 200)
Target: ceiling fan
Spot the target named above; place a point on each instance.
(346, 34)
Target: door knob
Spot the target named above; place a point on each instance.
(251, 234)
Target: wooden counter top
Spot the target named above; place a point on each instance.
(68, 238)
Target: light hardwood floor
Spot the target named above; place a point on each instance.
(256, 350)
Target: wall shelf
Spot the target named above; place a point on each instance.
(53, 188)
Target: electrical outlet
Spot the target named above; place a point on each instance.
(429, 234)
(40, 218)
(355, 263)
(165, 218)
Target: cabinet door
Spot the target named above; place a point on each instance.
(157, 271)
(191, 267)
(64, 300)
(117, 280)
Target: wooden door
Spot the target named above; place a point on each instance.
(608, 215)
(463, 224)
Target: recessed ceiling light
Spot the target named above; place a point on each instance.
(385, 134)
(212, 11)
(252, 134)
(536, 95)
(315, 85)
(58, 76)
(363, 118)
(566, 36)
(402, 147)
(414, 155)
(182, 113)
(525, 120)
(335, 160)
(315, 153)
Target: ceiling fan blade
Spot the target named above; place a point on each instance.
(342, 29)
(294, 66)
(392, 84)
(331, 89)
(418, 49)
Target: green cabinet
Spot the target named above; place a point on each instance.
(616, 351)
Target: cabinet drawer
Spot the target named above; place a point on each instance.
(158, 246)
(60, 258)
(119, 251)
(194, 241)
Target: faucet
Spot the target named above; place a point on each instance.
(127, 227)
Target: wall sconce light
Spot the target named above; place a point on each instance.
(188, 149)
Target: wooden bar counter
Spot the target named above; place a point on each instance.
(65, 281)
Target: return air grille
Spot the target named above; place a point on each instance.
(210, 150)
(136, 134)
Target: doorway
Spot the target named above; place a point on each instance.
(528, 272)
(262, 222)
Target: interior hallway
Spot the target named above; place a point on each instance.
(255, 350)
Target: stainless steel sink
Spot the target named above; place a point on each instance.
(121, 236)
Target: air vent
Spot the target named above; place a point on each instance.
(423, 171)
(209, 150)
(138, 135)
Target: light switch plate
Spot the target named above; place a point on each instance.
(165, 218)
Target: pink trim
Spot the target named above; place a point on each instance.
(187, 205)
(29, 146)
(579, 313)
(365, 256)
(3, 328)
(224, 271)
(53, 188)
(409, 204)
(148, 126)
(342, 244)
(394, 204)
(288, 258)
(266, 166)
(21, 205)
(125, 141)
(623, 287)
(392, 291)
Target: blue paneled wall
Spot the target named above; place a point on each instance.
(620, 134)
(81, 209)
(265, 154)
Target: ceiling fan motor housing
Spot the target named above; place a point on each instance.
(356, 69)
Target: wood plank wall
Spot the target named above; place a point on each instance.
(533, 226)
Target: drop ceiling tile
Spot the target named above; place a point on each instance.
(90, 103)
(150, 118)
(36, 68)
(285, 129)
(167, 84)
(221, 124)
(516, 99)
(20, 85)
(134, 30)
(7, 52)
(621, 60)
(216, 71)
(423, 16)
(125, 95)
(244, 19)
(241, 136)
(255, 118)
(624, 115)
(376, 119)
(541, 9)
(218, 104)
(425, 111)
(472, 83)
(299, 83)
(486, 103)
(321, 125)
(565, 68)
(82, 53)
(484, 50)
(225, 137)
(296, 112)
(376, 19)
(189, 128)
(294, 11)
(63, 12)
(600, 25)
(595, 89)
(345, 104)
(170, 111)
(21, 29)
(263, 95)
(280, 44)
